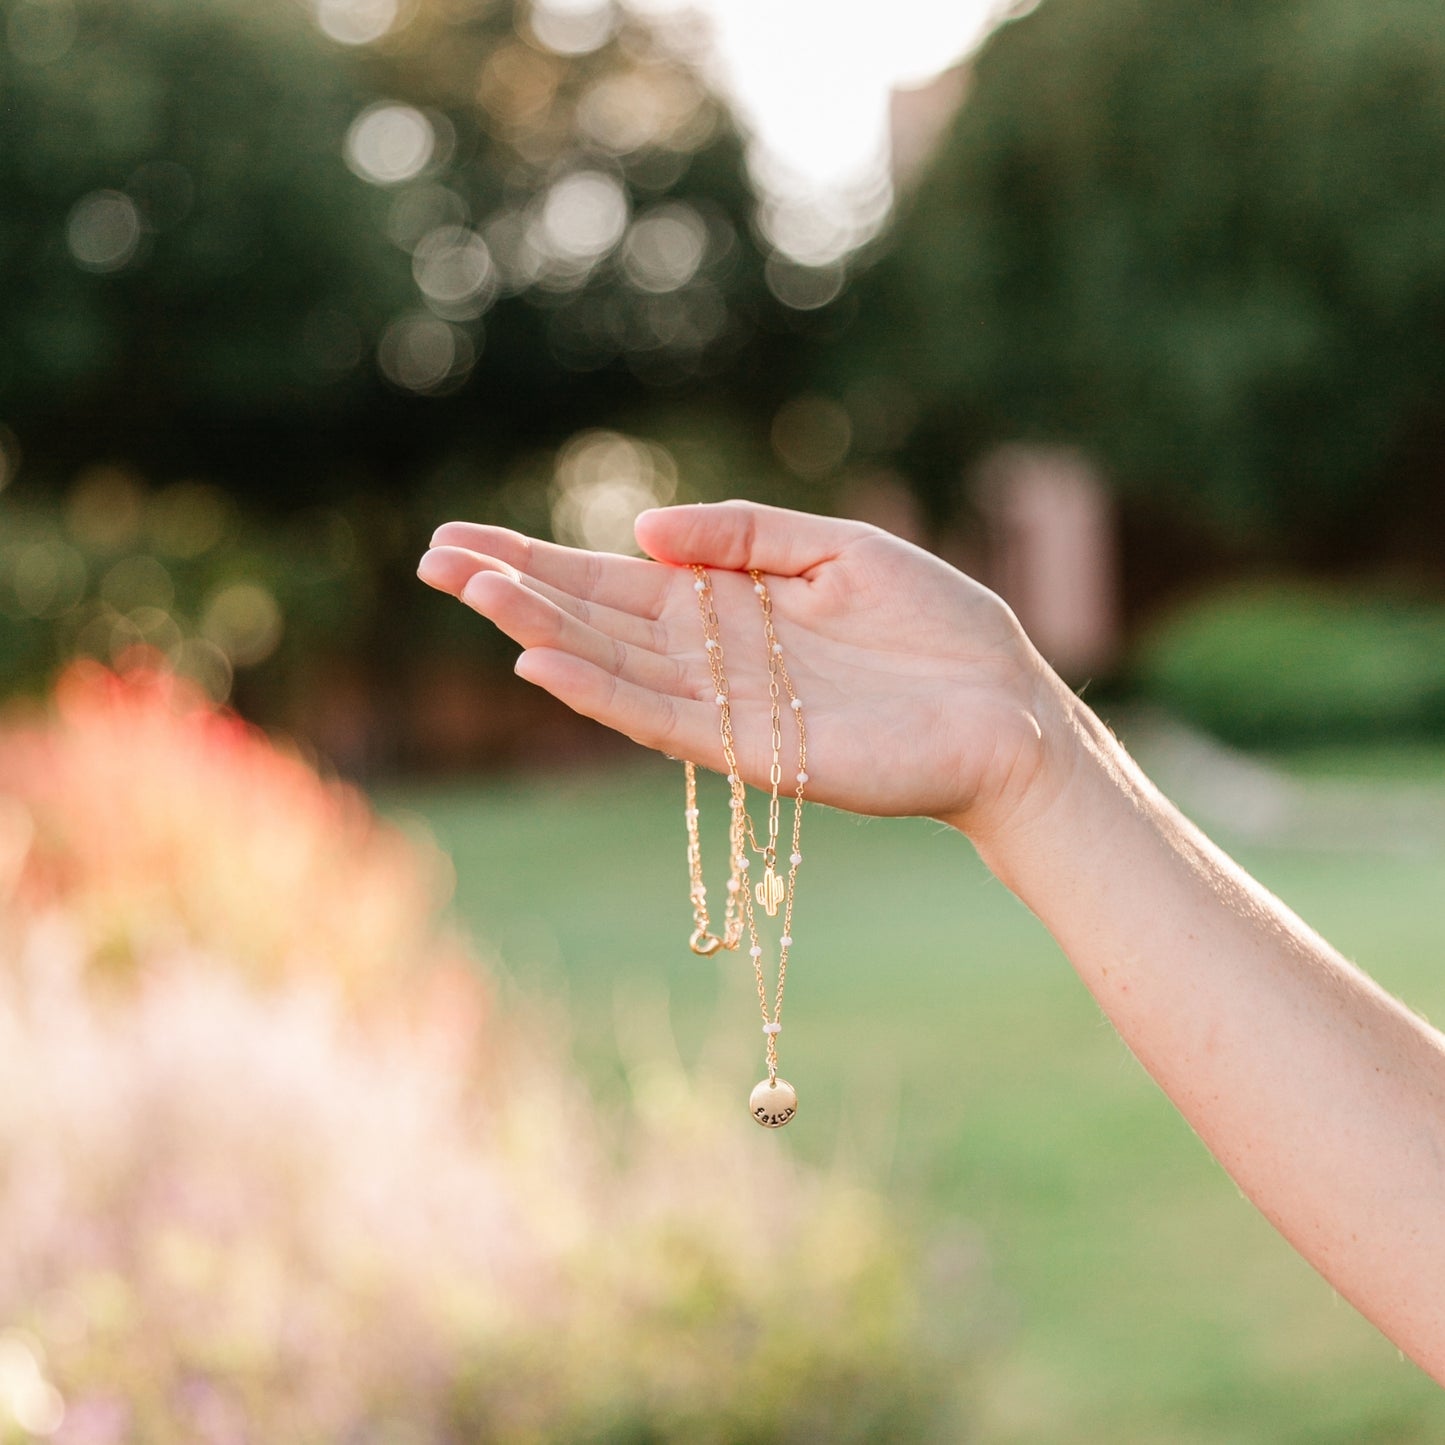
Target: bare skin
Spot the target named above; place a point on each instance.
(1321, 1094)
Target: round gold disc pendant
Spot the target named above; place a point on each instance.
(773, 1103)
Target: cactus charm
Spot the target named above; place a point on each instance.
(770, 891)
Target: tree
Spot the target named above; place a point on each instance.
(1206, 241)
(178, 228)
(301, 252)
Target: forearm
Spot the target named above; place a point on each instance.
(1321, 1094)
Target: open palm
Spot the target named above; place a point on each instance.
(920, 691)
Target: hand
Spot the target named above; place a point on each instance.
(920, 691)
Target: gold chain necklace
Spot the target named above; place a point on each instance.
(774, 1101)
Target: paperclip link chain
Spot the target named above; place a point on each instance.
(703, 941)
(774, 887)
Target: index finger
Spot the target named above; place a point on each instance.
(628, 584)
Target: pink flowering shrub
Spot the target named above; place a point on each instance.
(243, 1199)
(155, 820)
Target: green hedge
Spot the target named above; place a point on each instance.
(1282, 663)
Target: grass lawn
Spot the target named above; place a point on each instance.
(941, 1045)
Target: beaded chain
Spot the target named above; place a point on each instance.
(774, 1101)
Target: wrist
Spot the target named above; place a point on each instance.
(1063, 799)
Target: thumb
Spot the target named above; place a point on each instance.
(739, 536)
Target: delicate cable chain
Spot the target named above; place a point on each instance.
(741, 831)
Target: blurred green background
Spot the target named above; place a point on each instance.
(1152, 339)
(942, 1046)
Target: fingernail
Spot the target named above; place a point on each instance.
(429, 569)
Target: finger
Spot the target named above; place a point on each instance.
(449, 569)
(682, 727)
(534, 621)
(743, 535)
(630, 584)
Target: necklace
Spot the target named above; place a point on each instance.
(774, 1101)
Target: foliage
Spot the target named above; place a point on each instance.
(176, 211)
(265, 244)
(179, 572)
(313, 620)
(1295, 664)
(281, 1182)
(1205, 241)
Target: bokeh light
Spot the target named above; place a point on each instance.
(583, 216)
(664, 247)
(46, 577)
(187, 519)
(420, 209)
(454, 270)
(201, 660)
(601, 482)
(138, 581)
(803, 287)
(105, 508)
(389, 143)
(648, 105)
(157, 631)
(40, 32)
(244, 620)
(28, 1400)
(103, 231)
(517, 85)
(509, 237)
(573, 27)
(424, 353)
(356, 22)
